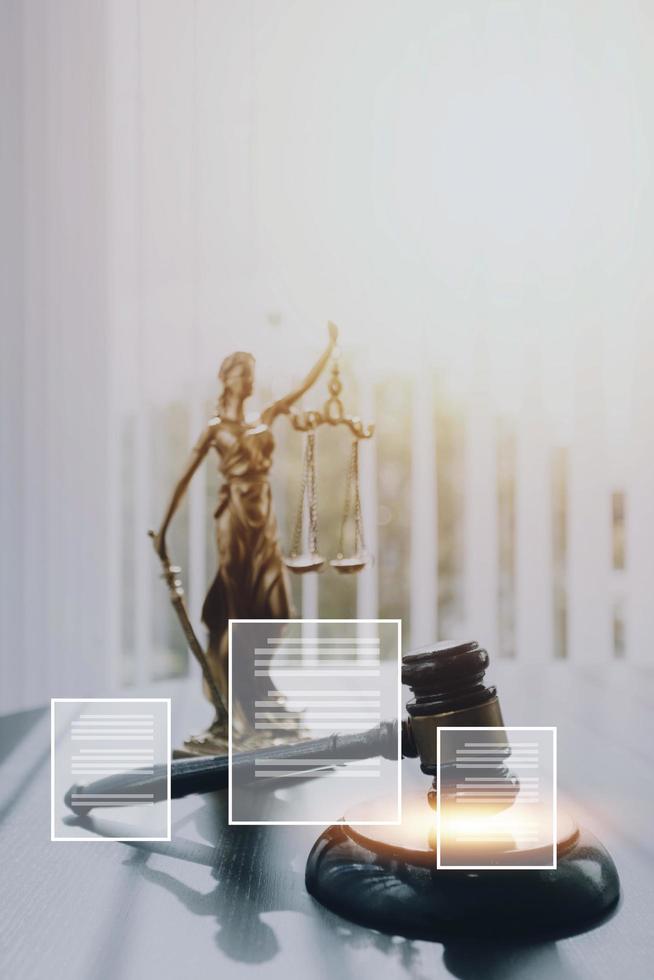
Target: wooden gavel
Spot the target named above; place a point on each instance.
(446, 680)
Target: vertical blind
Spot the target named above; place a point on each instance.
(139, 241)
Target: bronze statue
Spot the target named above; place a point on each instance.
(251, 579)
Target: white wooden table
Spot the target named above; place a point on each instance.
(231, 902)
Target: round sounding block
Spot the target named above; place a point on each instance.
(386, 878)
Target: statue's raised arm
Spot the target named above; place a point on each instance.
(283, 405)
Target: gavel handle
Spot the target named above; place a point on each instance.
(206, 774)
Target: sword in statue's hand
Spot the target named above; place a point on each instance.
(171, 577)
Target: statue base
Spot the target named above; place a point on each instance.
(379, 882)
(215, 741)
(202, 745)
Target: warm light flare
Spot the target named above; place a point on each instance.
(513, 825)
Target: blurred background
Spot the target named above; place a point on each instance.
(464, 188)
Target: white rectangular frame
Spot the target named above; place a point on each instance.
(496, 867)
(319, 823)
(109, 840)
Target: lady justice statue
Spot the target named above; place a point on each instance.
(251, 579)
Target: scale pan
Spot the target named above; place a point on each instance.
(348, 566)
(304, 563)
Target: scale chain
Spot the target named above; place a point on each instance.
(308, 497)
(359, 543)
(297, 530)
(352, 507)
(312, 493)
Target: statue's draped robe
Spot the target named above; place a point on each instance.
(251, 581)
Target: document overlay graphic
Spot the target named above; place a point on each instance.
(496, 790)
(110, 775)
(303, 695)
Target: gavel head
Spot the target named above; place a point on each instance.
(447, 681)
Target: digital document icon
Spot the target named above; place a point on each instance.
(496, 798)
(296, 684)
(110, 769)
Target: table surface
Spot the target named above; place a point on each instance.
(232, 899)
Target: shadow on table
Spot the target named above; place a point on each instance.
(260, 869)
(256, 870)
(14, 728)
(250, 880)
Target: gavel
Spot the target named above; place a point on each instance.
(385, 877)
(447, 683)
